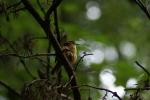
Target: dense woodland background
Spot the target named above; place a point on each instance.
(116, 32)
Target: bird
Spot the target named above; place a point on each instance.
(70, 51)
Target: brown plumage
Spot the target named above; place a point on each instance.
(70, 51)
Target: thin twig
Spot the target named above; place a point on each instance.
(103, 89)
(41, 7)
(81, 58)
(17, 10)
(144, 69)
(14, 5)
(56, 24)
(10, 89)
(143, 8)
(36, 38)
(30, 56)
(144, 88)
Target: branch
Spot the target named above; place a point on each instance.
(42, 9)
(56, 24)
(10, 89)
(32, 11)
(81, 58)
(30, 56)
(52, 8)
(145, 70)
(143, 8)
(14, 5)
(103, 89)
(17, 10)
(144, 88)
(45, 25)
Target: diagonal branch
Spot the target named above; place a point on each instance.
(143, 8)
(41, 7)
(10, 89)
(81, 58)
(115, 94)
(33, 12)
(145, 70)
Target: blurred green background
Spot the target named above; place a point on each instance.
(115, 32)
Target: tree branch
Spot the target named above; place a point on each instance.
(144, 88)
(143, 8)
(14, 5)
(10, 89)
(32, 11)
(56, 24)
(81, 58)
(52, 8)
(103, 89)
(144, 69)
(45, 25)
(42, 9)
(30, 56)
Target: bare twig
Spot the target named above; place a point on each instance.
(103, 89)
(10, 89)
(36, 38)
(41, 7)
(144, 88)
(143, 8)
(30, 56)
(14, 5)
(144, 69)
(17, 10)
(81, 58)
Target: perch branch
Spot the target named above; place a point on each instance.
(51, 9)
(68, 67)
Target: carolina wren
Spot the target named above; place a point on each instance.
(70, 51)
